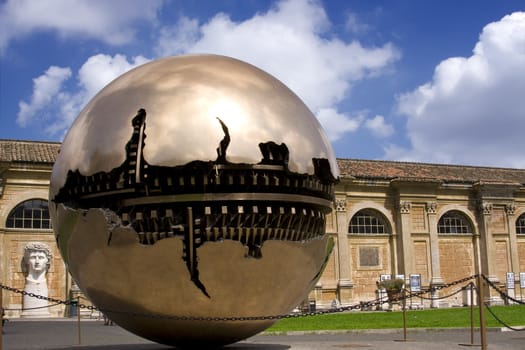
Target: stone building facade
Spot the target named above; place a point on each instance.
(25, 169)
(438, 222)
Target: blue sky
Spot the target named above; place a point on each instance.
(426, 81)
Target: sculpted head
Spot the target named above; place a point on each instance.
(37, 259)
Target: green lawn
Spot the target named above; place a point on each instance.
(433, 318)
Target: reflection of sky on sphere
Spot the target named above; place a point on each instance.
(183, 97)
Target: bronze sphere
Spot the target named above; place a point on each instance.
(189, 200)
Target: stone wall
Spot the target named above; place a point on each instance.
(370, 259)
(22, 184)
(457, 258)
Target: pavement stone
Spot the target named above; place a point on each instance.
(55, 334)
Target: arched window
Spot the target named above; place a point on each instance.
(520, 225)
(31, 214)
(454, 223)
(368, 222)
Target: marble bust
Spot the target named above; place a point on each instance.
(35, 264)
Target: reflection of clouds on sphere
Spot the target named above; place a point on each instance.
(183, 96)
(195, 187)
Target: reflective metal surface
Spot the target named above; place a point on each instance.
(196, 187)
(184, 96)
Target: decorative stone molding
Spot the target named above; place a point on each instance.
(510, 209)
(340, 204)
(485, 208)
(345, 283)
(431, 207)
(1, 187)
(404, 207)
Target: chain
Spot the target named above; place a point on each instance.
(501, 321)
(444, 296)
(501, 292)
(32, 308)
(361, 305)
(53, 300)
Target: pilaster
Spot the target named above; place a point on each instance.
(435, 269)
(513, 243)
(344, 284)
(405, 236)
(486, 244)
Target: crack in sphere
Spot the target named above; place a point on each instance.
(189, 200)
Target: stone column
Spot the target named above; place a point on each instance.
(405, 235)
(486, 245)
(344, 284)
(435, 268)
(513, 243)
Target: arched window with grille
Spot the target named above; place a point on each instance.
(30, 214)
(368, 222)
(454, 223)
(520, 225)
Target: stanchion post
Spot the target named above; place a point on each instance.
(2, 321)
(404, 306)
(78, 320)
(471, 286)
(404, 314)
(481, 304)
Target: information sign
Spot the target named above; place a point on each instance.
(415, 282)
(510, 280)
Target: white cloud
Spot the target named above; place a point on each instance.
(177, 38)
(108, 21)
(45, 88)
(379, 127)
(59, 106)
(336, 124)
(99, 70)
(472, 112)
(354, 25)
(291, 41)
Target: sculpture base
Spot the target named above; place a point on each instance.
(35, 307)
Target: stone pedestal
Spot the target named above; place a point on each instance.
(345, 291)
(35, 307)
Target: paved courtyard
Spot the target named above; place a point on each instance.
(94, 335)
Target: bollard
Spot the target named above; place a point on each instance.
(404, 307)
(1, 323)
(471, 286)
(481, 304)
(404, 315)
(78, 320)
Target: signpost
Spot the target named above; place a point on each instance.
(510, 284)
(522, 284)
(510, 280)
(415, 282)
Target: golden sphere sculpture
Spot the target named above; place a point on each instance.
(189, 200)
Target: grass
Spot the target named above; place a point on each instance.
(433, 318)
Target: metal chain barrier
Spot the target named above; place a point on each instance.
(41, 297)
(502, 293)
(359, 306)
(501, 321)
(368, 304)
(411, 294)
(504, 296)
(33, 308)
